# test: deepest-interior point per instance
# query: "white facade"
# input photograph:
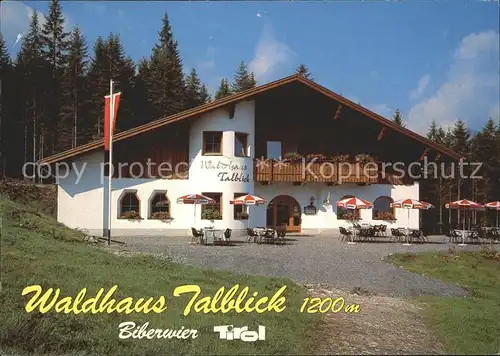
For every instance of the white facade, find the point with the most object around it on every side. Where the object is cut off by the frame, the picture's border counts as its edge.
(84, 204)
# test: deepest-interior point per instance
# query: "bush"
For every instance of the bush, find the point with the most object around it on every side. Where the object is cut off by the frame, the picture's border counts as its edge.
(130, 215)
(211, 214)
(242, 216)
(161, 215)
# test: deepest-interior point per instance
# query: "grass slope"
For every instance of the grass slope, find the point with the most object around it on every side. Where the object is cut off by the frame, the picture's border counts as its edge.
(38, 250)
(468, 325)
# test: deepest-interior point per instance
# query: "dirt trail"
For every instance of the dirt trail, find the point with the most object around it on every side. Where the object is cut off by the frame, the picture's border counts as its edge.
(384, 325)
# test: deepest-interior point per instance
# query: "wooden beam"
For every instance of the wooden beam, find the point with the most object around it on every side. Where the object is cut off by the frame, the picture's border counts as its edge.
(231, 108)
(337, 113)
(424, 153)
(383, 131)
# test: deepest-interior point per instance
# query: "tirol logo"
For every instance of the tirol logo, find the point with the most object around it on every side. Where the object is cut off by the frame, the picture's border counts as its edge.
(229, 332)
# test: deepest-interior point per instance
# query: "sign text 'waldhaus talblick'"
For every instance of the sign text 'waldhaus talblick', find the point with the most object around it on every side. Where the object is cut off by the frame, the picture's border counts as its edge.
(228, 171)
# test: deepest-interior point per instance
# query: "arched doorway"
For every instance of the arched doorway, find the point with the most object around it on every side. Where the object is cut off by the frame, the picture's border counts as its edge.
(284, 210)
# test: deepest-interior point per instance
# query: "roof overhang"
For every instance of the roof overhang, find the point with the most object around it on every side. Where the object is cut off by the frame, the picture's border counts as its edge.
(247, 95)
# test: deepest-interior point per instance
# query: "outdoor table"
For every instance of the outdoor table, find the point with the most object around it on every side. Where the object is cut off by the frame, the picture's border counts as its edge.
(464, 234)
(212, 235)
(261, 231)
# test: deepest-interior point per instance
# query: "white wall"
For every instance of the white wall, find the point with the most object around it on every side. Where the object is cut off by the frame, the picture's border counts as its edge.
(81, 205)
(204, 170)
(326, 217)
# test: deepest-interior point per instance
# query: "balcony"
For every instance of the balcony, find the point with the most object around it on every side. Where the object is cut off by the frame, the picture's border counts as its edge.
(330, 172)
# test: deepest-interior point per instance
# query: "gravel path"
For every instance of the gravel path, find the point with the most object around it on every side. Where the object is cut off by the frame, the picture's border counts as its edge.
(309, 260)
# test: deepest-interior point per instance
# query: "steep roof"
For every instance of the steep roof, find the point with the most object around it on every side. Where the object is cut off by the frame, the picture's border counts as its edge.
(245, 95)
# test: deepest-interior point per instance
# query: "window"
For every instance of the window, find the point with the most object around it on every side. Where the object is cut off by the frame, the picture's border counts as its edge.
(343, 213)
(159, 205)
(212, 143)
(217, 206)
(273, 149)
(130, 202)
(240, 144)
(238, 208)
(382, 209)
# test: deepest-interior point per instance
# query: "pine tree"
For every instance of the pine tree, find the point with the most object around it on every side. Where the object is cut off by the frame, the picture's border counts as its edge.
(5, 76)
(142, 112)
(32, 75)
(303, 71)
(122, 71)
(98, 81)
(205, 95)
(224, 89)
(75, 91)
(55, 45)
(109, 63)
(398, 119)
(196, 92)
(460, 138)
(242, 79)
(484, 149)
(166, 84)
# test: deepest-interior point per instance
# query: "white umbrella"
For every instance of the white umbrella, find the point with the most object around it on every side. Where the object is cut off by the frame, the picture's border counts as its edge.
(410, 204)
(466, 205)
(195, 199)
(247, 200)
(495, 205)
(353, 204)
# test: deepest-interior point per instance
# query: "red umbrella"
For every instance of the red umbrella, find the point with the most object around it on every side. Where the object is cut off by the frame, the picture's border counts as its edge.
(354, 203)
(195, 199)
(246, 200)
(411, 204)
(466, 205)
(495, 205)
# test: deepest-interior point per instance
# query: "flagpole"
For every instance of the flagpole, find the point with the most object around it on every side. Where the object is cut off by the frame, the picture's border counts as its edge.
(110, 163)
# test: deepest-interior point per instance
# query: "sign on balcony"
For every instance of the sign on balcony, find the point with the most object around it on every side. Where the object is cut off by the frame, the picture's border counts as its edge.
(227, 171)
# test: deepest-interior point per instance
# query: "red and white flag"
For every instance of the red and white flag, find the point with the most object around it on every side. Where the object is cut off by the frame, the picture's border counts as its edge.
(107, 118)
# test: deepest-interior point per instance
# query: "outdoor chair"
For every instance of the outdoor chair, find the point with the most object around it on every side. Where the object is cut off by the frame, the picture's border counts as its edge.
(344, 233)
(383, 230)
(197, 235)
(454, 236)
(395, 234)
(251, 235)
(227, 236)
(281, 233)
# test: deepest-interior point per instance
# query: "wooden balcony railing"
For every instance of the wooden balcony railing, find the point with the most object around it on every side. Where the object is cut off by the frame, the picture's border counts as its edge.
(319, 171)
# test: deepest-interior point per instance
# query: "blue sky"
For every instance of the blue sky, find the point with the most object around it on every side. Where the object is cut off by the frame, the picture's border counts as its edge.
(432, 60)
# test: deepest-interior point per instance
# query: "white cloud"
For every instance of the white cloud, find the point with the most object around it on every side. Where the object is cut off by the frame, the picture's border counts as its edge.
(16, 19)
(208, 61)
(471, 89)
(270, 54)
(381, 109)
(421, 86)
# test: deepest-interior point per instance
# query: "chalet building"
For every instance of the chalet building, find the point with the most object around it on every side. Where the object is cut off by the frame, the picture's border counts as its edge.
(231, 147)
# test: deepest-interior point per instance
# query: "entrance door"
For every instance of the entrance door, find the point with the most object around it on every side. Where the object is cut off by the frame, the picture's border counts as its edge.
(284, 210)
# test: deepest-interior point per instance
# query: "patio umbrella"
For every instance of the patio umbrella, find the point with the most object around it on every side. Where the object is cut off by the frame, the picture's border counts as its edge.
(410, 204)
(466, 205)
(495, 205)
(247, 200)
(353, 204)
(195, 199)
